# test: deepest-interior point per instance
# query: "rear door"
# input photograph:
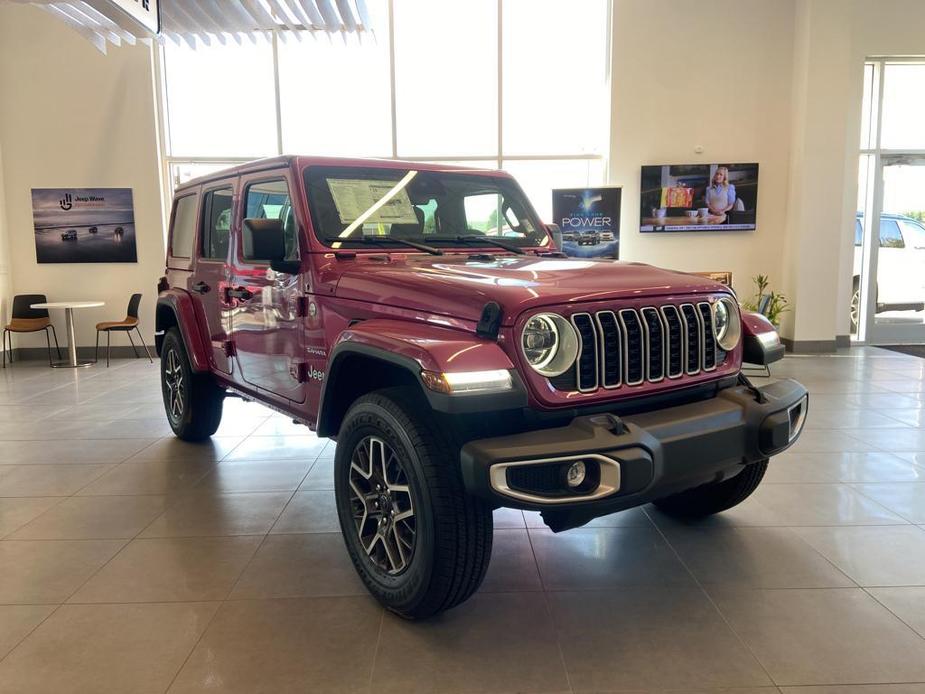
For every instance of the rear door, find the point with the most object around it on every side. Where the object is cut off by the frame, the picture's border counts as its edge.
(209, 280)
(267, 325)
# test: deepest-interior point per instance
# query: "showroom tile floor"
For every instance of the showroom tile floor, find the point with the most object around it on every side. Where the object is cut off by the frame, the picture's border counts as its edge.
(132, 562)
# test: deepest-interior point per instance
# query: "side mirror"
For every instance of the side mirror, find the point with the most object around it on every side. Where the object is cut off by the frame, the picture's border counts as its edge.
(556, 234)
(265, 241)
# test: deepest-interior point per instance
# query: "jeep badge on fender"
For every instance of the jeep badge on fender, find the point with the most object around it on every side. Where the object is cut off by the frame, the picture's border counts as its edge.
(460, 362)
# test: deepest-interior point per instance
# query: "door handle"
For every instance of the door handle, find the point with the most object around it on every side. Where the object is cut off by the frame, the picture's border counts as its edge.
(239, 293)
(200, 287)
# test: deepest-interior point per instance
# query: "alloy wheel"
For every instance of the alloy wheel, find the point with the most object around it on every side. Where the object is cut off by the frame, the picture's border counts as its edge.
(382, 506)
(855, 308)
(173, 379)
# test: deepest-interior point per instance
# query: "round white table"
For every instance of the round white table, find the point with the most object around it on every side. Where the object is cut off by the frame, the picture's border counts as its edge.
(69, 307)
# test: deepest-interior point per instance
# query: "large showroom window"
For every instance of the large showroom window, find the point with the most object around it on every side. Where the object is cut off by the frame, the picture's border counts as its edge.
(486, 83)
(888, 294)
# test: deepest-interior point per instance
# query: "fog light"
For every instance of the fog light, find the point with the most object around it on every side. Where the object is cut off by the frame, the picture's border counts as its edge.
(575, 474)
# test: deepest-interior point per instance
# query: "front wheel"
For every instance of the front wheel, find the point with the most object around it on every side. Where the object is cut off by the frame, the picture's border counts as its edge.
(716, 497)
(419, 542)
(193, 402)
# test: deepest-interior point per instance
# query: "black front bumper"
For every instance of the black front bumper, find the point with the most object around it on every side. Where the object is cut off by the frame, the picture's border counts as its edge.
(645, 456)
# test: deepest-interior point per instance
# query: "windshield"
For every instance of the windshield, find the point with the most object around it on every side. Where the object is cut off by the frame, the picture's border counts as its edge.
(352, 206)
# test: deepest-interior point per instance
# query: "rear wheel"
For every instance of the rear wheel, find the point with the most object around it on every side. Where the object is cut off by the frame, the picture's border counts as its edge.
(716, 497)
(193, 402)
(419, 542)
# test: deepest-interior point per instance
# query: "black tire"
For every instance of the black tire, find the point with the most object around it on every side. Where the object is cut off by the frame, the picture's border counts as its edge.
(196, 412)
(447, 540)
(714, 498)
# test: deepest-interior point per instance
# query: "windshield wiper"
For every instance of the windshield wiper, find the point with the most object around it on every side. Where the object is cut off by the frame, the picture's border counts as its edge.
(487, 240)
(383, 239)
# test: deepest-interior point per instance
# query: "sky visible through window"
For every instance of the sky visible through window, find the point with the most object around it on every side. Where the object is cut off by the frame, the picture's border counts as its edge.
(541, 111)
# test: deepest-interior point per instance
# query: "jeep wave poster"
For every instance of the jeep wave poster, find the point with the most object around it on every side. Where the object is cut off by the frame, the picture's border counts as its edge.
(590, 221)
(84, 225)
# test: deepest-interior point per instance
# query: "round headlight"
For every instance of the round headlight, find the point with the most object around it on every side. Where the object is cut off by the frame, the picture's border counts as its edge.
(549, 344)
(726, 324)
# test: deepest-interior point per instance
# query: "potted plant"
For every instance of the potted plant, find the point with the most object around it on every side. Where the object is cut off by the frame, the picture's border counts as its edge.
(770, 304)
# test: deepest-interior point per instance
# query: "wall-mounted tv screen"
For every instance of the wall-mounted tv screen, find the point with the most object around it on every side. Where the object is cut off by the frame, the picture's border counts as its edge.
(699, 197)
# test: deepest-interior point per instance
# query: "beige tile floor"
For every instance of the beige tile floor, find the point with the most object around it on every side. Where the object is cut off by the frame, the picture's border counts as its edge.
(132, 562)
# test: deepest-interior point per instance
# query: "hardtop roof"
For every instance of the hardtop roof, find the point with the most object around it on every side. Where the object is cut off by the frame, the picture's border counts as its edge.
(299, 161)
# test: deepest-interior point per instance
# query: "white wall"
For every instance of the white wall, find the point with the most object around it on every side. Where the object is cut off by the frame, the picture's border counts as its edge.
(839, 36)
(774, 82)
(6, 288)
(712, 73)
(71, 116)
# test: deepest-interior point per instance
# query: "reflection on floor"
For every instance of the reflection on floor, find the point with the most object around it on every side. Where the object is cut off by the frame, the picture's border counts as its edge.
(130, 562)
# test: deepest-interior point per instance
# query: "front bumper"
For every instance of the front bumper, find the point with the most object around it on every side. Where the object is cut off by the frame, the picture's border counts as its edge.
(638, 458)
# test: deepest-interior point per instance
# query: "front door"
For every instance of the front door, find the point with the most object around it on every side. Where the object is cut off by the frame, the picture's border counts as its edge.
(208, 282)
(267, 321)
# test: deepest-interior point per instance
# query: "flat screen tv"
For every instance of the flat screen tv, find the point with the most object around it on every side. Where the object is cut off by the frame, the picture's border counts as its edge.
(699, 197)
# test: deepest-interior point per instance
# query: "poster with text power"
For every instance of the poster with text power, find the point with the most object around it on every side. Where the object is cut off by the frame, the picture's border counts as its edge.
(698, 197)
(84, 225)
(590, 221)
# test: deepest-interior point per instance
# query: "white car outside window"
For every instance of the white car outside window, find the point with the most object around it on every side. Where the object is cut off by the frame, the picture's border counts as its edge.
(901, 265)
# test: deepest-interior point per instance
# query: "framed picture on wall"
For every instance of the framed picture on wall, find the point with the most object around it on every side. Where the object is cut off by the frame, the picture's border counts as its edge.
(84, 225)
(722, 276)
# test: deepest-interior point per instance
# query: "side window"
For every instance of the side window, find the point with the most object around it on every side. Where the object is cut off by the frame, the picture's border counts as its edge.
(491, 215)
(913, 234)
(270, 200)
(184, 227)
(429, 210)
(858, 232)
(483, 213)
(889, 234)
(216, 223)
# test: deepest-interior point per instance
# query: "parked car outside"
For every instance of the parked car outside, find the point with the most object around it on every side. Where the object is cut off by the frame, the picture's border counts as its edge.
(900, 265)
(458, 372)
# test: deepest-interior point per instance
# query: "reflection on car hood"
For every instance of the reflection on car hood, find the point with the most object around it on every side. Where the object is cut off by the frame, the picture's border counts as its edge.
(460, 285)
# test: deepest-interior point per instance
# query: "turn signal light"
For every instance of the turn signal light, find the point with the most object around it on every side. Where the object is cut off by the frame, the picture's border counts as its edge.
(463, 382)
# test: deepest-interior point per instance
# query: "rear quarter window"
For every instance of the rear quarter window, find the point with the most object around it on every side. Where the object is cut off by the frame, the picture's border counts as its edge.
(184, 227)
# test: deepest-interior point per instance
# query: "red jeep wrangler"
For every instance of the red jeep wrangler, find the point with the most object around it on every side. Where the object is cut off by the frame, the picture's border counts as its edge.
(420, 315)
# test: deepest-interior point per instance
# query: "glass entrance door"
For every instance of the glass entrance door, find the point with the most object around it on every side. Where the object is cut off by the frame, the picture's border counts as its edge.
(888, 289)
(899, 316)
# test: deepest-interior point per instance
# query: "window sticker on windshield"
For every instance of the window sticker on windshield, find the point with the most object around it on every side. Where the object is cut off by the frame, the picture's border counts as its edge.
(353, 197)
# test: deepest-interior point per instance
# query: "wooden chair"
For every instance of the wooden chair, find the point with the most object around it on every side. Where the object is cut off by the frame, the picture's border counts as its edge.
(126, 325)
(26, 319)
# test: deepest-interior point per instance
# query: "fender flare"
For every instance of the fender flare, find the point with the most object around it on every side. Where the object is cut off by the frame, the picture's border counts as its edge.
(180, 304)
(402, 345)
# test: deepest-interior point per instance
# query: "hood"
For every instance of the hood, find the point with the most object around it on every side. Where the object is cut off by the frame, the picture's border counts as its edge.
(459, 285)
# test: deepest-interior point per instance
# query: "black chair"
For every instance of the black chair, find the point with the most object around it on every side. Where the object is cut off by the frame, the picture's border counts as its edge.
(26, 319)
(126, 325)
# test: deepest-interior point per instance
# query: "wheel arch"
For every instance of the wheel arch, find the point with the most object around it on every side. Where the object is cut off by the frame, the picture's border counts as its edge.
(383, 353)
(354, 371)
(175, 309)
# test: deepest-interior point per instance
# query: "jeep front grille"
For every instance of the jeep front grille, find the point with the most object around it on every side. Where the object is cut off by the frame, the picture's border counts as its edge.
(633, 346)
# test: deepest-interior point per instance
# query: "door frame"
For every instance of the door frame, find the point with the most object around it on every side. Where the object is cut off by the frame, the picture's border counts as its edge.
(239, 266)
(219, 356)
(869, 331)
